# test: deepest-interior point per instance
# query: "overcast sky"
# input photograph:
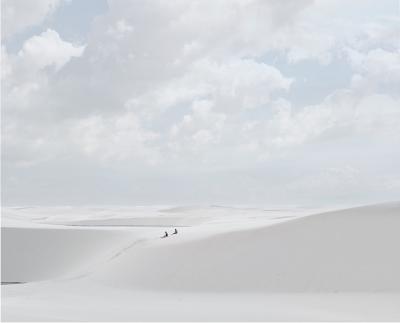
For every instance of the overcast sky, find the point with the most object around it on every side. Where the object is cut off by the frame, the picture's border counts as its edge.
(200, 102)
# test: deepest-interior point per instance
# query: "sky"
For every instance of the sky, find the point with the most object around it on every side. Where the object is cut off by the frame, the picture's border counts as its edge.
(232, 102)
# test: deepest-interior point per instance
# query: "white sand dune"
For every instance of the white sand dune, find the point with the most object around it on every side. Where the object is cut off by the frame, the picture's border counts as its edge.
(255, 265)
(80, 301)
(33, 254)
(141, 221)
(352, 250)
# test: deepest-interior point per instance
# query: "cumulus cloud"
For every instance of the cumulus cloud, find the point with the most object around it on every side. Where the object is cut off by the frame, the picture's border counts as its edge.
(48, 49)
(344, 114)
(375, 67)
(202, 127)
(6, 68)
(206, 85)
(120, 29)
(233, 85)
(19, 14)
(114, 138)
(29, 137)
(26, 74)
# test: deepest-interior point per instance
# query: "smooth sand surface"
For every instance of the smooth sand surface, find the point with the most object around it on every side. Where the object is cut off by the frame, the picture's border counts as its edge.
(226, 264)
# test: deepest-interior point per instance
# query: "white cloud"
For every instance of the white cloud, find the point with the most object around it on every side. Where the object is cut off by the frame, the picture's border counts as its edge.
(304, 42)
(202, 127)
(48, 49)
(120, 28)
(116, 138)
(208, 85)
(372, 117)
(376, 66)
(6, 68)
(383, 33)
(232, 86)
(19, 14)
(26, 74)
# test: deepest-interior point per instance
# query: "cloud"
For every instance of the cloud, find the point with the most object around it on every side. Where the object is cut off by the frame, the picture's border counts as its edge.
(48, 49)
(6, 68)
(29, 136)
(20, 14)
(232, 86)
(202, 127)
(377, 66)
(343, 114)
(120, 28)
(114, 138)
(210, 86)
(26, 74)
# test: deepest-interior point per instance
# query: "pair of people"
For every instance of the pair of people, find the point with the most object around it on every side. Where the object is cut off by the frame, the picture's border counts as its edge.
(166, 233)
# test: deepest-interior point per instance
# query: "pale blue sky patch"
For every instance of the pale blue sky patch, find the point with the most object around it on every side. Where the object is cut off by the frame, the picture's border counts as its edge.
(72, 20)
(313, 81)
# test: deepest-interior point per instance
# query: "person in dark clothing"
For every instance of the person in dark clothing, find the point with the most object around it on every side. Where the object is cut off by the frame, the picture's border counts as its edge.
(175, 231)
(165, 235)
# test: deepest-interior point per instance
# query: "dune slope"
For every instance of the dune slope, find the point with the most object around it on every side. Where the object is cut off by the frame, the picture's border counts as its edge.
(33, 254)
(353, 250)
